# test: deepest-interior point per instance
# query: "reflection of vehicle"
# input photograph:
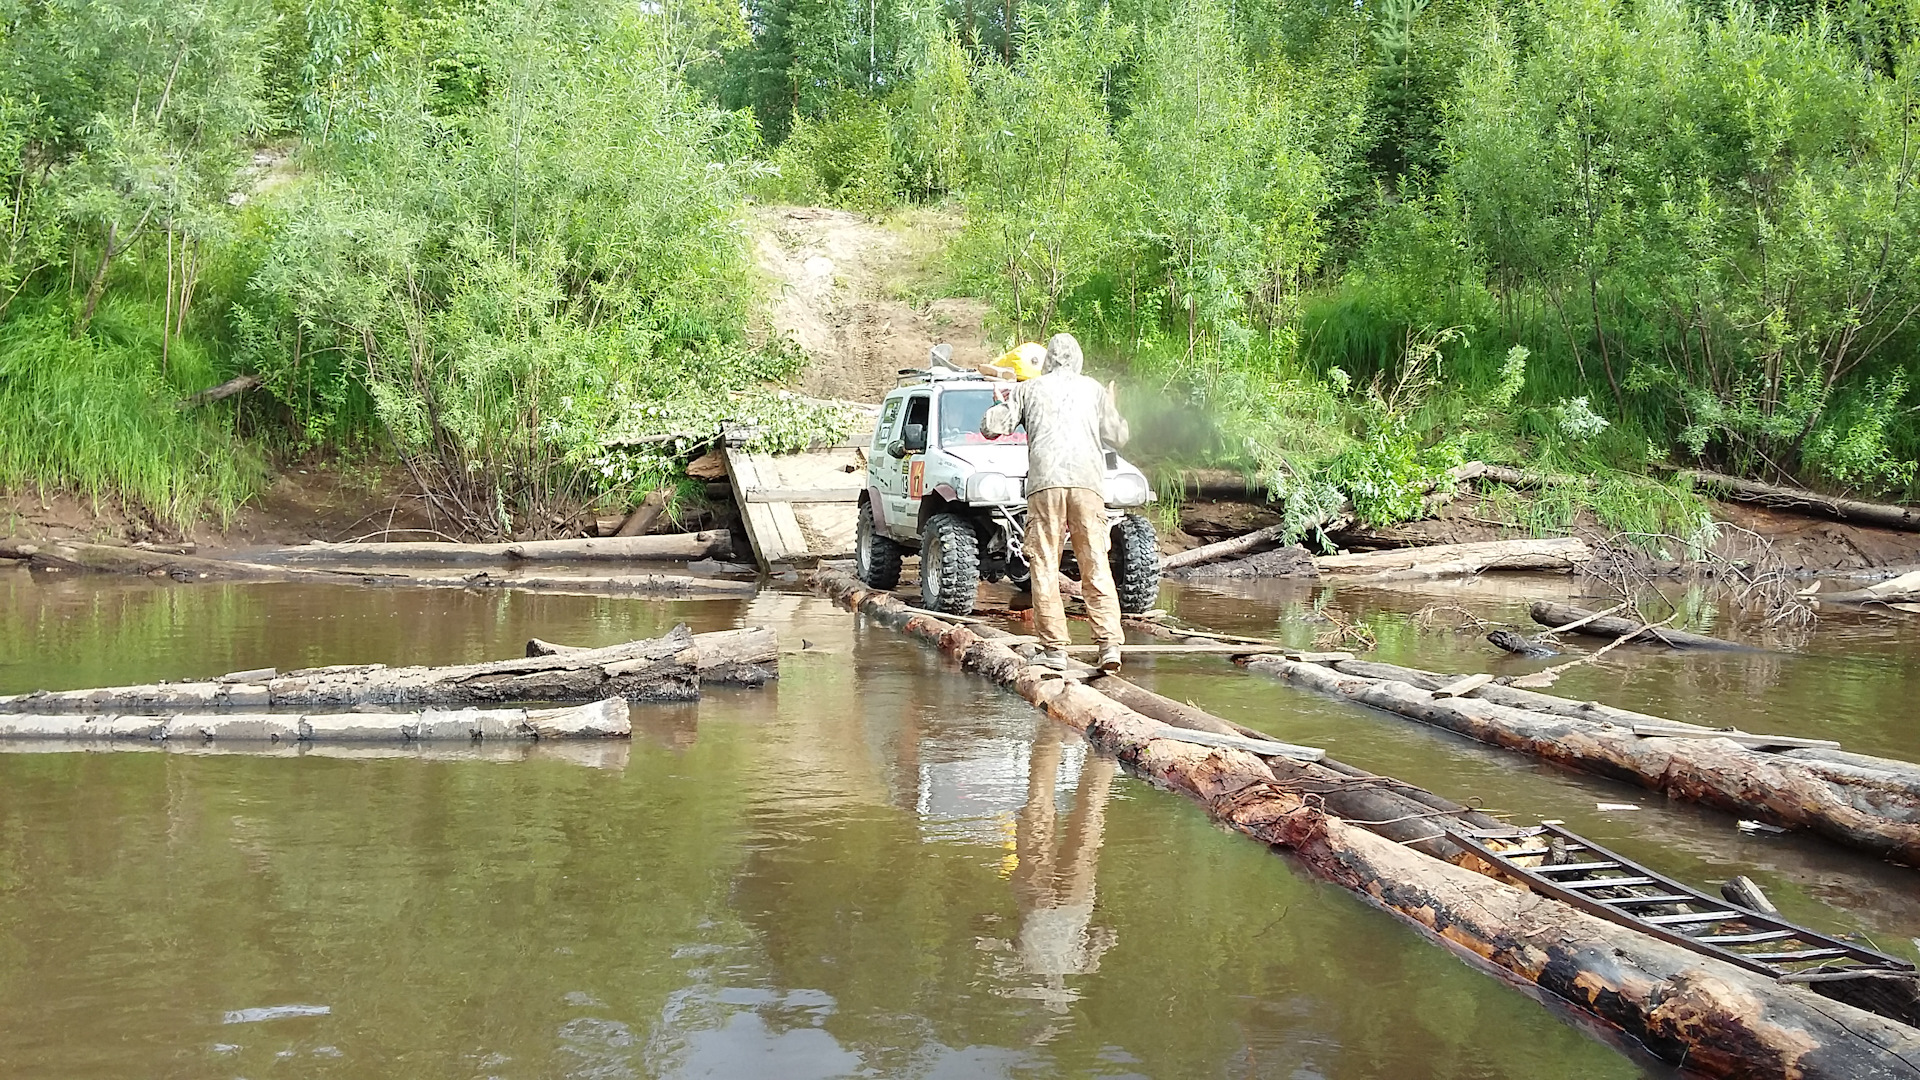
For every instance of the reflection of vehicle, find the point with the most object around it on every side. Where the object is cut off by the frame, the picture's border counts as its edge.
(937, 486)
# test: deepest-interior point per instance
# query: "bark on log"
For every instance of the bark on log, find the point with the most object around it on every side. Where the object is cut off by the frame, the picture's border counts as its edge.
(1554, 616)
(601, 549)
(1242, 545)
(1291, 561)
(1716, 772)
(668, 668)
(641, 521)
(236, 385)
(606, 718)
(144, 562)
(1457, 560)
(1719, 1020)
(1406, 814)
(1799, 499)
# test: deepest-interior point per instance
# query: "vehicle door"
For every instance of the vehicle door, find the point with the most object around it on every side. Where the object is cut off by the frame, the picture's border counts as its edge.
(902, 492)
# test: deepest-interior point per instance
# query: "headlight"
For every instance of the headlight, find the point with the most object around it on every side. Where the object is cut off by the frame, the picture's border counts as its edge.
(992, 487)
(1127, 489)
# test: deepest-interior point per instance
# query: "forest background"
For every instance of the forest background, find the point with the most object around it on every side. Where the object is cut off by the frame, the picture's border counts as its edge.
(1341, 246)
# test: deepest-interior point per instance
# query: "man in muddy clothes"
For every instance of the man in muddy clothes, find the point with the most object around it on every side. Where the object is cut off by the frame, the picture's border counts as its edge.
(1070, 421)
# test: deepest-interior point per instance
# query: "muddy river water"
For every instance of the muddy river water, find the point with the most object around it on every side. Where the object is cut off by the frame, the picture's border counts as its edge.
(881, 867)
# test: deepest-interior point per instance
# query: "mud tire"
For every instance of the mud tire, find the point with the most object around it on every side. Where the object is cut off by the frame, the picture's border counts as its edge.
(876, 558)
(1135, 558)
(949, 564)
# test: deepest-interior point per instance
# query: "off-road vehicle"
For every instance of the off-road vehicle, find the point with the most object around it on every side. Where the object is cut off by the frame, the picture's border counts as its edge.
(938, 488)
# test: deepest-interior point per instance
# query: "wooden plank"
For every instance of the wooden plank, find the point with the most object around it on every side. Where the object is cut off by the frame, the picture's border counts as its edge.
(1744, 738)
(775, 534)
(805, 495)
(1463, 686)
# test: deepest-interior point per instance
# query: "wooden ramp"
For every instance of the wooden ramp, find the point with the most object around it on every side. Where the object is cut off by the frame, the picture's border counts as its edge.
(798, 508)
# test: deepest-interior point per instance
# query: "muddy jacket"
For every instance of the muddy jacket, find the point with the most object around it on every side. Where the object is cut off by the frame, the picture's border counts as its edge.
(1070, 422)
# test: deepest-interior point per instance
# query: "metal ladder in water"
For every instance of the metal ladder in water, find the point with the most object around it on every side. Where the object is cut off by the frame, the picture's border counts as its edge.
(1558, 863)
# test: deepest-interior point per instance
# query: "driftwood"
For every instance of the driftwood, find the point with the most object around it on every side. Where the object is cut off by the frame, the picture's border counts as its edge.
(1900, 590)
(603, 549)
(678, 586)
(1291, 561)
(143, 562)
(668, 668)
(1684, 1007)
(1581, 621)
(1872, 810)
(641, 521)
(236, 385)
(1800, 499)
(601, 719)
(610, 753)
(1457, 560)
(1251, 542)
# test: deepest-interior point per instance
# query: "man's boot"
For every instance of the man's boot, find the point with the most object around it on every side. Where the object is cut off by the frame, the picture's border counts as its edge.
(1109, 659)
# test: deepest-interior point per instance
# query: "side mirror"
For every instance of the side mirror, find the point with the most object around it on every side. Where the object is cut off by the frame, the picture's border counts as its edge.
(913, 438)
(897, 448)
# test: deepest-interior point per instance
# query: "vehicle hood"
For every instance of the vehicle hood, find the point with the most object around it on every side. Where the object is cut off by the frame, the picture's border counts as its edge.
(1007, 460)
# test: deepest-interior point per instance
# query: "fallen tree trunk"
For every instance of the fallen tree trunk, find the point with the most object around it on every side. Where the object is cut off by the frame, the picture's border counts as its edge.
(1555, 616)
(1904, 589)
(1253, 541)
(1705, 769)
(602, 549)
(1800, 499)
(144, 562)
(1560, 553)
(1719, 1020)
(239, 384)
(669, 668)
(601, 719)
(684, 586)
(607, 753)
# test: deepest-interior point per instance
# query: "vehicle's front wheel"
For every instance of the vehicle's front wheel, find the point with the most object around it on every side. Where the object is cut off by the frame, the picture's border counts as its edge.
(1135, 559)
(949, 564)
(876, 558)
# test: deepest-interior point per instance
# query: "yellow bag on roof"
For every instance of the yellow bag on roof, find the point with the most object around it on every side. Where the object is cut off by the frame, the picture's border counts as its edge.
(1022, 363)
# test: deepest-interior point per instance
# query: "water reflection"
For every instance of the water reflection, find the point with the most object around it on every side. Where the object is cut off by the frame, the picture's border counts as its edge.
(1053, 879)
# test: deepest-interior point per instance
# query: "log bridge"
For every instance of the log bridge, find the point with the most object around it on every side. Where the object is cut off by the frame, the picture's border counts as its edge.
(1863, 802)
(1683, 1007)
(672, 667)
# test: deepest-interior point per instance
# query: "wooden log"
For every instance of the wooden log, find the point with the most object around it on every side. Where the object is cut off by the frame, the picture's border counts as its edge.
(1899, 590)
(600, 719)
(642, 519)
(667, 668)
(1801, 500)
(237, 385)
(1719, 1020)
(1581, 621)
(1251, 542)
(144, 562)
(1704, 769)
(1741, 890)
(678, 586)
(588, 549)
(1457, 560)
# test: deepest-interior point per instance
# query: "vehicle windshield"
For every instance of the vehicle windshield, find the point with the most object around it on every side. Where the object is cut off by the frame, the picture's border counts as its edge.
(960, 415)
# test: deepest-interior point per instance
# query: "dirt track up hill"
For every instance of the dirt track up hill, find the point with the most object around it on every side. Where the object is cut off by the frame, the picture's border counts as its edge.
(837, 288)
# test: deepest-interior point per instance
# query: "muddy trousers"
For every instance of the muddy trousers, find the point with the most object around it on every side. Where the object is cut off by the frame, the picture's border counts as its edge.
(1052, 515)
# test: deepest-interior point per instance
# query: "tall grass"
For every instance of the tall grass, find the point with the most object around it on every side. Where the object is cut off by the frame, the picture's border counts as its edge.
(95, 414)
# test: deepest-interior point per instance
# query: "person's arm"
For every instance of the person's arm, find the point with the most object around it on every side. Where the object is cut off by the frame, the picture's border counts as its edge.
(1113, 426)
(1003, 416)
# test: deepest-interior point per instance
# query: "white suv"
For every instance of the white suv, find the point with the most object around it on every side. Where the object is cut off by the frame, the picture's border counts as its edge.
(938, 487)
